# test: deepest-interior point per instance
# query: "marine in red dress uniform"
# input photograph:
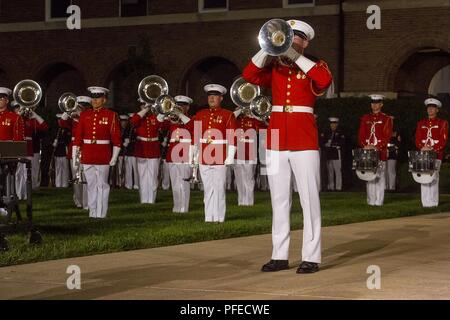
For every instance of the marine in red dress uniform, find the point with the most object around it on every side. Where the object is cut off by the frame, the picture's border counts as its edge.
(432, 134)
(375, 131)
(214, 135)
(292, 142)
(98, 134)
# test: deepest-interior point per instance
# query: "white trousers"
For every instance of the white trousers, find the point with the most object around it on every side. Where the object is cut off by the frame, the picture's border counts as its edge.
(430, 191)
(375, 188)
(214, 184)
(80, 194)
(35, 170)
(148, 178)
(244, 175)
(180, 189)
(97, 188)
(305, 165)
(390, 174)
(21, 179)
(61, 172)
(165, 179)
(334, 174)
(131, 173)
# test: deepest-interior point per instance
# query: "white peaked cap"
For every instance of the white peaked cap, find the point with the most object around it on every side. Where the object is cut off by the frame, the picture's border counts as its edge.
(5, 90)
(303, 27)
(434, 101)
(183, 99)
(215, 87)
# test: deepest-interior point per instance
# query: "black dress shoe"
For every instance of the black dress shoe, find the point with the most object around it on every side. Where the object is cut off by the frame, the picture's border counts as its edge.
(275, 265)
(308, 267)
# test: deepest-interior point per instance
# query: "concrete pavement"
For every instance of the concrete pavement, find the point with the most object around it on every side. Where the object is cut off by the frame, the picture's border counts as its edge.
(413, 255)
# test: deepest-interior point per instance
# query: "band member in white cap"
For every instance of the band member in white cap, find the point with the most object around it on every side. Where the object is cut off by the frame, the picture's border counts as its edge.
(432, 134)
(214, 135)
(34, 124)
(178, 155)
(71, 121)
(60, 162)
(292, 143)
(98, 134)
(375, 131)
(11, 124)
(334, 142)
(147, 151)
(246, 156)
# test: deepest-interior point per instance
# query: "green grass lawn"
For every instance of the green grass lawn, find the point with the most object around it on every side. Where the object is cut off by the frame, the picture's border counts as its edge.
(68, 232)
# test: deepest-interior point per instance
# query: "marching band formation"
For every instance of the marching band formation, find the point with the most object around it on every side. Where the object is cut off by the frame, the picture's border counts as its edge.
(273, 144)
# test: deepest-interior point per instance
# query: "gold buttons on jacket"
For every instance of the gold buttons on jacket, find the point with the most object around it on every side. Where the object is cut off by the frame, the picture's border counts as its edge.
(289, 86)
(288, 101)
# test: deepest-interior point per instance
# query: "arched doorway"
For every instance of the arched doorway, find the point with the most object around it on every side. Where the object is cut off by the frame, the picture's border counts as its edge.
(440, 84)
(55, 79)
(415, 75)
(210, 70)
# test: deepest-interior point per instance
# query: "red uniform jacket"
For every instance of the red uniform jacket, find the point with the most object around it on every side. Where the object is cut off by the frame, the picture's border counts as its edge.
(291, 87)
(147, 130)
(11, 126)
(376, 129)
(31, 128)
(210, 128)
(432, 133)
(179, 142)
(97, 125)
(246, 138)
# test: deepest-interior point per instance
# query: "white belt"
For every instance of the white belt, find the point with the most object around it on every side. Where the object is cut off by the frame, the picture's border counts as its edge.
(211, 141)
(146, 139)
(247, 140)
(180, 140)
(290, 109)
(28, 138)
(88, 141)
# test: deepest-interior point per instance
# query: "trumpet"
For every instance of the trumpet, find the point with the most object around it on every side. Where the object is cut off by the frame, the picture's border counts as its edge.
(27, 93)
(68, 103)
(167, 106)
(261, 107)
(275, 37)
(242, 94)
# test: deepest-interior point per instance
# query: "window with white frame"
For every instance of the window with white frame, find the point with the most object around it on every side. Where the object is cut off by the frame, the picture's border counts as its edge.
(57, 9)
(298, 3)
(212, 5)
(133, 8)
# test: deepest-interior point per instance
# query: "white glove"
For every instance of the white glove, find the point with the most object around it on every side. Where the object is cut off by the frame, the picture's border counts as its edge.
(143, 112)
(65, 116)
(55, 143)
(192, 155)
(304, 63)
(115, 155)
(237, 112)
(34, 115)
(160, 117)
(260, 59)
(231, 151)
(185, 119)
(75, 150)
(126, 142)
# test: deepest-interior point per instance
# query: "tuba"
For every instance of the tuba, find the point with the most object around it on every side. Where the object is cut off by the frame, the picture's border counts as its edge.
(242, 94)
(27, 93)
(68, 103)
(261, 107)
(150, 88)
(275, 37)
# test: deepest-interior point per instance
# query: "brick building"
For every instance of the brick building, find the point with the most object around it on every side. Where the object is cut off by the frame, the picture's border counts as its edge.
(192, 42)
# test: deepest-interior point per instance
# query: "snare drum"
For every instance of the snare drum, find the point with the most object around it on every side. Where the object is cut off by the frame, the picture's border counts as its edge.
(422, 161)
(366, 162)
